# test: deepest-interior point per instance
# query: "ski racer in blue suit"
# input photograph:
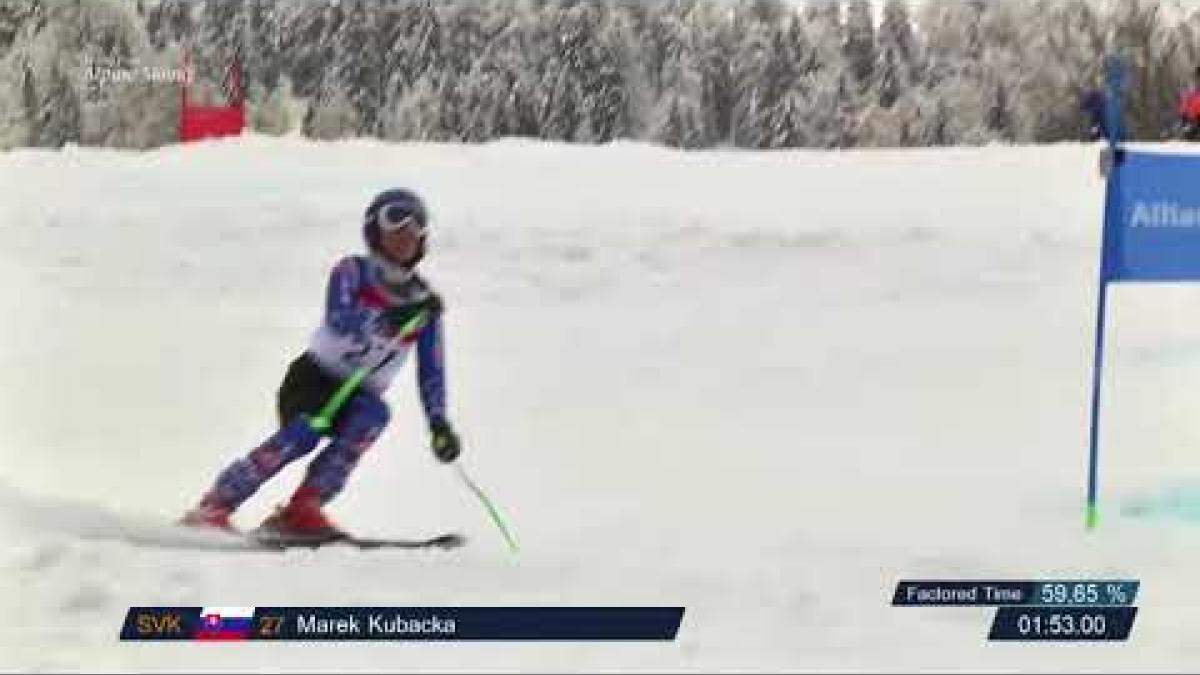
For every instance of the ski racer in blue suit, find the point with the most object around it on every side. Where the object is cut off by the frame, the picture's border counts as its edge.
(369, 298)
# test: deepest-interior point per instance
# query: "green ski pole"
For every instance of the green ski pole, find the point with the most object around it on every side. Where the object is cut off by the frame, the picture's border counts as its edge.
(487, 504)
(324, 419)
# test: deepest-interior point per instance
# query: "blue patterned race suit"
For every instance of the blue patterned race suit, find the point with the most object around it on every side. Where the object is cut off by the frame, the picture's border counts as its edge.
(356, 331)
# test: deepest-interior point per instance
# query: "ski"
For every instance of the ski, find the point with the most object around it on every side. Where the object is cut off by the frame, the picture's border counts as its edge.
(274, 541)
(444, 541)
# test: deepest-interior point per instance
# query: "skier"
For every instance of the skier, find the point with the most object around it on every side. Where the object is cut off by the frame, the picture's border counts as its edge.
(370, 298)
(1092, 105)
(1189, 111)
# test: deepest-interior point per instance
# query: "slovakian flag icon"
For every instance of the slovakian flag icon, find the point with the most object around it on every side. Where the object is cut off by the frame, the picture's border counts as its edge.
(224, 623)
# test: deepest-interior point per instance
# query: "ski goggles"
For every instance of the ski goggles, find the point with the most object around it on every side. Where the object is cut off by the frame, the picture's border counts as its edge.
(395, 217)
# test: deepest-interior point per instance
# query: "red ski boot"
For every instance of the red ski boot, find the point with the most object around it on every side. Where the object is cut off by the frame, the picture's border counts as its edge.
(301, 521)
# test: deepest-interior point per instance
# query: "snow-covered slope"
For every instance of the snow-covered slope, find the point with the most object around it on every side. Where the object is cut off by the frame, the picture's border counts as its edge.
(764, 386)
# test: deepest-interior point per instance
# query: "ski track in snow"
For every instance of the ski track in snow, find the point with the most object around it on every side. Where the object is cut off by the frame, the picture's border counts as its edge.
(764, 386)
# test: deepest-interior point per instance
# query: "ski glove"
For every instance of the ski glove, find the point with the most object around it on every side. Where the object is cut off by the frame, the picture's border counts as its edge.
(444, 441)
(400, 316)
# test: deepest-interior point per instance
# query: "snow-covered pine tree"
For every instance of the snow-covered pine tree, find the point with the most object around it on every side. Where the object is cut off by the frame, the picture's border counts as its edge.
(956, 102)
(413, 62)
(787, 103)
(15, 16)
(218, 40)
(832, 98)
(56, 117)
(1139, 32)
(756, 23)
(897, 55)
(358, 66)
(889, 112)
(414, 113)
(859, 47)
(332, 113)
(261, 41)
(1060, 48)
(306, 40)
(169, 21)
(680, 118)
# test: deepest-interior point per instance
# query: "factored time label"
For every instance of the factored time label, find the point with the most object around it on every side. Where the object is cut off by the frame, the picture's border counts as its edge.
(1035, 610)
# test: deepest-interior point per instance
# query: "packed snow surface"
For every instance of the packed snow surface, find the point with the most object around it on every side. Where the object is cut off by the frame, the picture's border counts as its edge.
(763, 386)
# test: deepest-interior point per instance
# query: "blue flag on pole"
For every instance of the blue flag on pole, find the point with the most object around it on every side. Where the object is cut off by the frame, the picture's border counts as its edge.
(1154, 229)
(1151, 233)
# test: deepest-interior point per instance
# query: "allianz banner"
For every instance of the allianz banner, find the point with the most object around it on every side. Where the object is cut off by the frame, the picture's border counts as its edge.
(1155, 234)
